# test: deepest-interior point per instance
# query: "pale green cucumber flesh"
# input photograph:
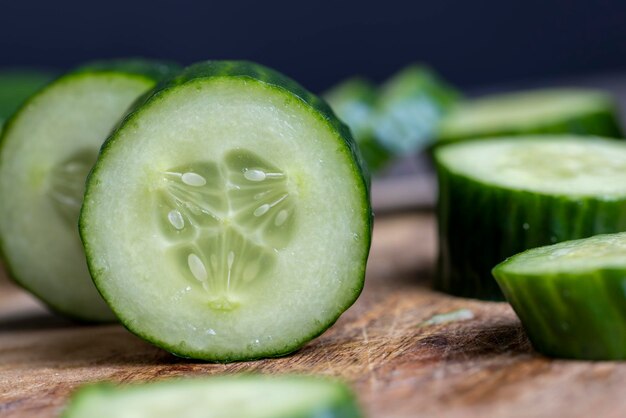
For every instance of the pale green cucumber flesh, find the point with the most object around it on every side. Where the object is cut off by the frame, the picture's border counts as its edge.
(251, 396)
(551, 111)
(502, 196)
(557, 165)
(570, 296)
(47, 150)
(227, 219)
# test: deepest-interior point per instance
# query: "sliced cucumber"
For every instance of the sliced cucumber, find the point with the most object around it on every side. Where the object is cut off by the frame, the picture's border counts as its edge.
(228, 218)
(18, 85)
(502, 196)
(354, 101)
(249, 396)
(570, 296)
(552, 111)
(410, 107)
(46, 151)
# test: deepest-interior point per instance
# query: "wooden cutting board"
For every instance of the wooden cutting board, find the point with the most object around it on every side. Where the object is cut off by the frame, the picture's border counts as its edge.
(406, 350)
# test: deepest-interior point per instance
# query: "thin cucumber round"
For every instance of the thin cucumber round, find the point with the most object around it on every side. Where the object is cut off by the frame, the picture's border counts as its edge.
(410, 107)
(354, 102)
(18, 85)
(501, 196)
(249, 396)
(228, 217)
(570, 296)
(46, 152)
(550, 111)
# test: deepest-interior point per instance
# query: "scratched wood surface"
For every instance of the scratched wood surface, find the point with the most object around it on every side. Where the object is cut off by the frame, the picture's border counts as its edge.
(398, 346)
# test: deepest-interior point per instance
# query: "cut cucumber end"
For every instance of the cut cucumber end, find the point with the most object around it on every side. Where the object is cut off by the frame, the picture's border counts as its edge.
(46, 152)
(250, 396)
(559, 165)
(606, 251)
(502, 196)
(228, 218)
(551, 111)
(570, 296)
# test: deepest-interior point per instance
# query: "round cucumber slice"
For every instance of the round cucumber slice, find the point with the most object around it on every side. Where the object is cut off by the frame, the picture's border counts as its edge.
(501, 196)
(550, 111)
(250, 396)
(570, 296)
(354, 101)
(46, 152)
(228, 217)
(18, 85)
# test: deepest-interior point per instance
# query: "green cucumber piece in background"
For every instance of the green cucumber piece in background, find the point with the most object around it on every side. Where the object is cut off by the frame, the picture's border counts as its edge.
(46, 151)
(228, 217)
(354, 102)
(235, 396)
(16, 86)
(570, 296)
(410, 107)
(501, 196)
(545, 111)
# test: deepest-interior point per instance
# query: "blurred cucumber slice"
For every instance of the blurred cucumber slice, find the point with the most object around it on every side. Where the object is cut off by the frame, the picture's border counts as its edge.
(249, 396)
(550, 111)
(46, 151)
(354, 102)
(397, 119)
(410, 106)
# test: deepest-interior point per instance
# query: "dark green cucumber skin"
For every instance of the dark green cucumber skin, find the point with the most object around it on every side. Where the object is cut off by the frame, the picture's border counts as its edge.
(570, 315)
(481, 224)
(345, 406)
(251, 72)
(603, 122)
(16, 86)
(150, 70)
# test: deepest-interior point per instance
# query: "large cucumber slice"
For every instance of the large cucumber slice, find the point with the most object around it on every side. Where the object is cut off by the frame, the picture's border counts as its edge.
(228, 218)
(502, 196)
(251, 396)
(354, 101)
(18, 85)
(570, 296)
(410, 108)
(551, 111)
(46, 151)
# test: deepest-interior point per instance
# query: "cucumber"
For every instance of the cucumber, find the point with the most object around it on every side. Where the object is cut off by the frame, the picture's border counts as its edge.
(410, 107)
(354, 101)
(228, 217)
(570, 296)
(249, 396)
(546, 111)
(46, 150)
(501, 196)
(18, 85)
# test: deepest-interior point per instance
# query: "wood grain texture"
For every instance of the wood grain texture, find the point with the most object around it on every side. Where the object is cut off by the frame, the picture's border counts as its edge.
(400, 360)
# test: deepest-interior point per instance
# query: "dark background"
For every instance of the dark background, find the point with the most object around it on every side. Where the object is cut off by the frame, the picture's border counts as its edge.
(472, 43)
